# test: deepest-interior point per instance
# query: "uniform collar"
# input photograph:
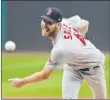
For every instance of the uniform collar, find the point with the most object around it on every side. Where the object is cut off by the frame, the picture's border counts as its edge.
(54, 41)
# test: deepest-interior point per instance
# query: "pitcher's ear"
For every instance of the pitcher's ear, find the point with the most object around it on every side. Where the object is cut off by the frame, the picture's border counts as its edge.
(59, 24)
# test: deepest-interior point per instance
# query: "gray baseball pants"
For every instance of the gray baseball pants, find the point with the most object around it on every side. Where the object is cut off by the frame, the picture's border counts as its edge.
(72, 80)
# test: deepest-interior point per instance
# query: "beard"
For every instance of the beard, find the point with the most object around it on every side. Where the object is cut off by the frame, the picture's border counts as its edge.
(48, 32)
(45, 31)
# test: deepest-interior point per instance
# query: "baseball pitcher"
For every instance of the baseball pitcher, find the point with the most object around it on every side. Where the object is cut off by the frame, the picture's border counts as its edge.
(77, 56)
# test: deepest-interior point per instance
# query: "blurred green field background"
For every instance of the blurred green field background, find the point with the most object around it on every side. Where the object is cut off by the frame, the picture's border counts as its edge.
(23, 64)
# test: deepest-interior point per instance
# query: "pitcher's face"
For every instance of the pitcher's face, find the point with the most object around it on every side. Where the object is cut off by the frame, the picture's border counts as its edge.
(47, 27)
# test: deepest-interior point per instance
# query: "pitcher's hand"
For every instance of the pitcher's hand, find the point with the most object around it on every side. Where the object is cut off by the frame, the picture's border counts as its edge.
(16, 82)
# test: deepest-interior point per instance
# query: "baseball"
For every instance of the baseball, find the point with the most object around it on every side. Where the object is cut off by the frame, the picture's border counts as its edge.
(10, 46)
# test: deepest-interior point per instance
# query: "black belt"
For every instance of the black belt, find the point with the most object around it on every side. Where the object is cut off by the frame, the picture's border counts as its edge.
(87, 69)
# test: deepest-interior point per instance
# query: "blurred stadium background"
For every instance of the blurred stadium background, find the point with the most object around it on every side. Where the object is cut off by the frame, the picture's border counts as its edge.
(20, 24)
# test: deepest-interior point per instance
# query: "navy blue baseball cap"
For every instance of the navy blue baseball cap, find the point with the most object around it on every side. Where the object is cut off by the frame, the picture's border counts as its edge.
(52, 14)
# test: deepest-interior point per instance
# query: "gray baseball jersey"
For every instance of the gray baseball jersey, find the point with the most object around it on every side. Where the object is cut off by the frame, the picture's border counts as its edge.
(72, 49)
(74, 53)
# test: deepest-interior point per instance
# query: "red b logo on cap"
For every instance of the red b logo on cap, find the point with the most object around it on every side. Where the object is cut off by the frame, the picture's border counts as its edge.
(49, 11)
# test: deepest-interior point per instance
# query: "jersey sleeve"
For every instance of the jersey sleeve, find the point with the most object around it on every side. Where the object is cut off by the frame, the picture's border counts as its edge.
(75, 22)
(57, 59)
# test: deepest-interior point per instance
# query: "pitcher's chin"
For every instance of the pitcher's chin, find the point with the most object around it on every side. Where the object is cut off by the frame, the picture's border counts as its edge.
(44, 34)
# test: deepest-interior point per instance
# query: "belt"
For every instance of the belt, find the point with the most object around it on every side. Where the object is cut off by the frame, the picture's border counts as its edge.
(87, 69)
